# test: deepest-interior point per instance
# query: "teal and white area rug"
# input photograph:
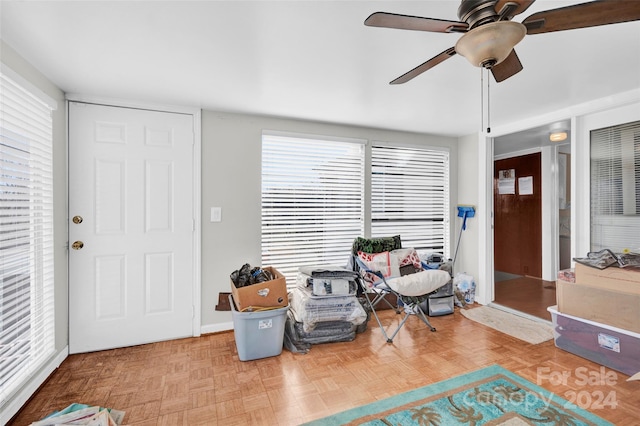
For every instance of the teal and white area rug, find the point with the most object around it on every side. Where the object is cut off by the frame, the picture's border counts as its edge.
(490, 396)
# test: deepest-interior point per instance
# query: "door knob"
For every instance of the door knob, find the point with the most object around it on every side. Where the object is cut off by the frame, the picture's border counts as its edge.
(77, 219)
(77, 245)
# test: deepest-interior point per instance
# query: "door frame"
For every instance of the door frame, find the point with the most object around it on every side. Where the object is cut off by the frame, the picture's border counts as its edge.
(196, 181)
(486, 291)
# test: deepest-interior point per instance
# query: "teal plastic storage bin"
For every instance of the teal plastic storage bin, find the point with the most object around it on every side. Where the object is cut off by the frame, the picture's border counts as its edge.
(258, 334)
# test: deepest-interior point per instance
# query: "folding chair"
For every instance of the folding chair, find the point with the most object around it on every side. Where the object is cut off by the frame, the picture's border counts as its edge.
(388, 269)
(373, 245)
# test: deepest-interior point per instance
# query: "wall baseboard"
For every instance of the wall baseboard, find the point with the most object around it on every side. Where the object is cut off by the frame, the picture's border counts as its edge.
(216, 328)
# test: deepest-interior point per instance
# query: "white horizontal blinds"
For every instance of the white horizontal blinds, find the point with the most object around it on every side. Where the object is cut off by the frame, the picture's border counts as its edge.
(410, 196)
(615, 187)
(26, 236)
(312, 201)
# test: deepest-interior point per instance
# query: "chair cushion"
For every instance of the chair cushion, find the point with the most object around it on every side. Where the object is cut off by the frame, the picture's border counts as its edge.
(420, 283)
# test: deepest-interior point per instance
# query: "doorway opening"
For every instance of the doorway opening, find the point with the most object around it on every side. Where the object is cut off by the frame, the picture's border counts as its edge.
(531, 207)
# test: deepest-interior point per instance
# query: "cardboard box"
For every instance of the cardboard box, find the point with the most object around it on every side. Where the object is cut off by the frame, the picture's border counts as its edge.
(610, 307)
(269, 294)
(600, 343)
(612, 278)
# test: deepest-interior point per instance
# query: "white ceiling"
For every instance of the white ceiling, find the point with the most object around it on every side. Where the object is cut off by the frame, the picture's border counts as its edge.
(310, 60)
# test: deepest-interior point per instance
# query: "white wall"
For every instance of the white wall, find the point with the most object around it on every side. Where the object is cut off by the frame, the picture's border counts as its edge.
(231, 169)
(12, 60)
(468, 172)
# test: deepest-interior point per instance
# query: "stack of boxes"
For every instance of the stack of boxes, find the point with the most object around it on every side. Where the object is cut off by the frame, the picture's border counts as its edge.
(598, 316)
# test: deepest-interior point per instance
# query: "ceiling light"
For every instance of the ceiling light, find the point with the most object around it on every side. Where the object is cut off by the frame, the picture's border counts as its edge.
(558, 131)
(490, 44)
(558, 136)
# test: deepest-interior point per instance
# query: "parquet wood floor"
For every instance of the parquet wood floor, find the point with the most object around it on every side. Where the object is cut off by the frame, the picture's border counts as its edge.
(200, 381)
(527, 294)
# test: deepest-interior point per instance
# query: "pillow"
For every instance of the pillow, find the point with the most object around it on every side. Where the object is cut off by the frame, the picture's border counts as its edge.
(383, 262)
(420, 283)
(391, 264)
(406, 257)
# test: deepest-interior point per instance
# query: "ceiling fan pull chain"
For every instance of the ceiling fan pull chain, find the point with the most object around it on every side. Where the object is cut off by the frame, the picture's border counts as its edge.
(488, 102)
(482, 102)
(481, 98)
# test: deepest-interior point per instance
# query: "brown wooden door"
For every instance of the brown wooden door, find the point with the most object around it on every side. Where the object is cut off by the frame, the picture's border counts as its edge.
(518, 217)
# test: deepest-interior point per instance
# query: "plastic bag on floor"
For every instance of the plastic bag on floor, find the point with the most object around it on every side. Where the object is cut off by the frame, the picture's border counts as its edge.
(465, 284)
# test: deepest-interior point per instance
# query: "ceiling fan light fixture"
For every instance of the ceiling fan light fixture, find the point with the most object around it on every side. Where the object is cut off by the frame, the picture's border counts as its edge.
(490, 44)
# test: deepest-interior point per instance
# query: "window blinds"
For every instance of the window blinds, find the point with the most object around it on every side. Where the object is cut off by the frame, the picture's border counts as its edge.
(312, 201)
(410, 196)
(26, 236)
(615, 187)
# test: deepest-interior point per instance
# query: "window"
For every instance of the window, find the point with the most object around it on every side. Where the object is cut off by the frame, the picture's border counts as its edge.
(26, 235)
(410, 196)
(615, 187)
(313, 191)
(312, 201)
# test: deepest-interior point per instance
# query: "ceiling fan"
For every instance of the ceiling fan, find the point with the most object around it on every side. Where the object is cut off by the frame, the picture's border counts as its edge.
(490, 35)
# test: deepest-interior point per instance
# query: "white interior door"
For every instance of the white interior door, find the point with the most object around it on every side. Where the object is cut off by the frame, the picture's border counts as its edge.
(131, 226)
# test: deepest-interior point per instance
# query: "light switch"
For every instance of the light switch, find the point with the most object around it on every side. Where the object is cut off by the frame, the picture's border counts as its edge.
(216, 214)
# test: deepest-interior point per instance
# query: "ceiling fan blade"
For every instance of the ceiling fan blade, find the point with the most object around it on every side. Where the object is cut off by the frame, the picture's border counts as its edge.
(425, 66)
(583, 15)
(507, 68)
(507, 9)
(406, 22)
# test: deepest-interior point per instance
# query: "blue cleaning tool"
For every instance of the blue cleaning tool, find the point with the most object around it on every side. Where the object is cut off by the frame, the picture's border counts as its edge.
(464, 212)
